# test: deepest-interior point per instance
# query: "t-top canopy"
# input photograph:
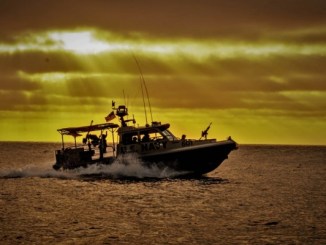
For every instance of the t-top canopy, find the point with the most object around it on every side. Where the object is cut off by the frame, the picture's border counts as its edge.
(149, 129)
(75, 131)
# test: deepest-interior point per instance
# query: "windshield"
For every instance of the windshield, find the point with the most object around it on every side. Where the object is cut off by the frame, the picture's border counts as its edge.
(146, 136)
(168, 135)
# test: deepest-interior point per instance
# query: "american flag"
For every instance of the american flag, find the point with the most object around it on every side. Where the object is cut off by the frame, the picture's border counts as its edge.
(110, 117)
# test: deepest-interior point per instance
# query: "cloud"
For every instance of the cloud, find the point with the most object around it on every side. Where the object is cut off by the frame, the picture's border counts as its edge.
(242, 59)
(247, 19)
(12, 82)
(191, 73)
(21, 101)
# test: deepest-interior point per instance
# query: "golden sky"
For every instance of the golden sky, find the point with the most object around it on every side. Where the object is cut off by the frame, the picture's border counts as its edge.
(256, 69)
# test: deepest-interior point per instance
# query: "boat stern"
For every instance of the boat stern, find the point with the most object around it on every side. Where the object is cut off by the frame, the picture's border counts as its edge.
(70, 158)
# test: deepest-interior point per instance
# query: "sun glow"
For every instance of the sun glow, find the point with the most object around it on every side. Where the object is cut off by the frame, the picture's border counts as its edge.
(57, 77)
(84, 42)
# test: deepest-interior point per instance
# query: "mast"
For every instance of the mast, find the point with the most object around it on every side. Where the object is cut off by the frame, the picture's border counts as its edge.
(146, 90)
(142, 91)
(149, 103)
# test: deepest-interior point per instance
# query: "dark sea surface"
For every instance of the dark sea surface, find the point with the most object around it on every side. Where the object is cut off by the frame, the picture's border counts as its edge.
(260, 195)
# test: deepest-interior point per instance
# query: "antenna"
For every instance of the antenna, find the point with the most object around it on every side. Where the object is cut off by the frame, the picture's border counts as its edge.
(124, 96)
(142, 91)
(149, 103)
(143, 81)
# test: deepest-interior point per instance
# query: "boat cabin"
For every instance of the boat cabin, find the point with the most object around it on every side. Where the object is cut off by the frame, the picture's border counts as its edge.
(145, 139)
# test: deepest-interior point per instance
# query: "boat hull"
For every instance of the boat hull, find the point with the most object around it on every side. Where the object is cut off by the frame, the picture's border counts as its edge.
(189, 160)
(193, 160)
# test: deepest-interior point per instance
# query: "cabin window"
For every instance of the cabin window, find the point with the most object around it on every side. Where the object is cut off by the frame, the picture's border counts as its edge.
(151, 136)
(167, 134)
(146, 136)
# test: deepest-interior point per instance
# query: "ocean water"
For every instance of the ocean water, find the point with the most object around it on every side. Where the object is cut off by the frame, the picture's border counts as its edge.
(261, 195)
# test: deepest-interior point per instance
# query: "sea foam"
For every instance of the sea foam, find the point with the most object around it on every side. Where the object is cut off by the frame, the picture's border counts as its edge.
(124, 166)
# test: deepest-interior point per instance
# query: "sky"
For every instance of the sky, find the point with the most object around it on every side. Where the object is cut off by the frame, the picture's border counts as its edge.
(256, 69)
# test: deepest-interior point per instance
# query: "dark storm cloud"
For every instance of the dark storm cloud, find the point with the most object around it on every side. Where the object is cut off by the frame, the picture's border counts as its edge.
(214, 95)
(38, 61)
(233, 82)
(162, 18)
(12, 82)
(315, 35)
(219, 83)
(290, 66)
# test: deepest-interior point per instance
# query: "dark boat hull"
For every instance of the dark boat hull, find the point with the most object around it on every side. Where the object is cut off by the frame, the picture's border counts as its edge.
(193, 160)
(190, 160)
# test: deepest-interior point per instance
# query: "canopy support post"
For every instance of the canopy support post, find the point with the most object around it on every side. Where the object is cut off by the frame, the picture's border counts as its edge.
(63, 143)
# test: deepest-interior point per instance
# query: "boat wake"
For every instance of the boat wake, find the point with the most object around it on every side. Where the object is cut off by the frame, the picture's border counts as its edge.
(34, 170)
(129, 166)
(126, 166)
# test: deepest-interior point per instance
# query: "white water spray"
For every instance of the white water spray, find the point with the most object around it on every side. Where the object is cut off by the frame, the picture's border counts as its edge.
(124, 166)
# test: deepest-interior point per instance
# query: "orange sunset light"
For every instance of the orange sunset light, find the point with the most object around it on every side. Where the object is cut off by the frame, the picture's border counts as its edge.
(255, 69)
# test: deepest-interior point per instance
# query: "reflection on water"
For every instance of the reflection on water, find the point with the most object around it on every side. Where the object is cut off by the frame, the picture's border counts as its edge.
(260, 195)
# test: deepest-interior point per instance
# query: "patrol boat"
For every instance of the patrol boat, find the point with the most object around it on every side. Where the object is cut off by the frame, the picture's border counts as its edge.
(153, 144)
